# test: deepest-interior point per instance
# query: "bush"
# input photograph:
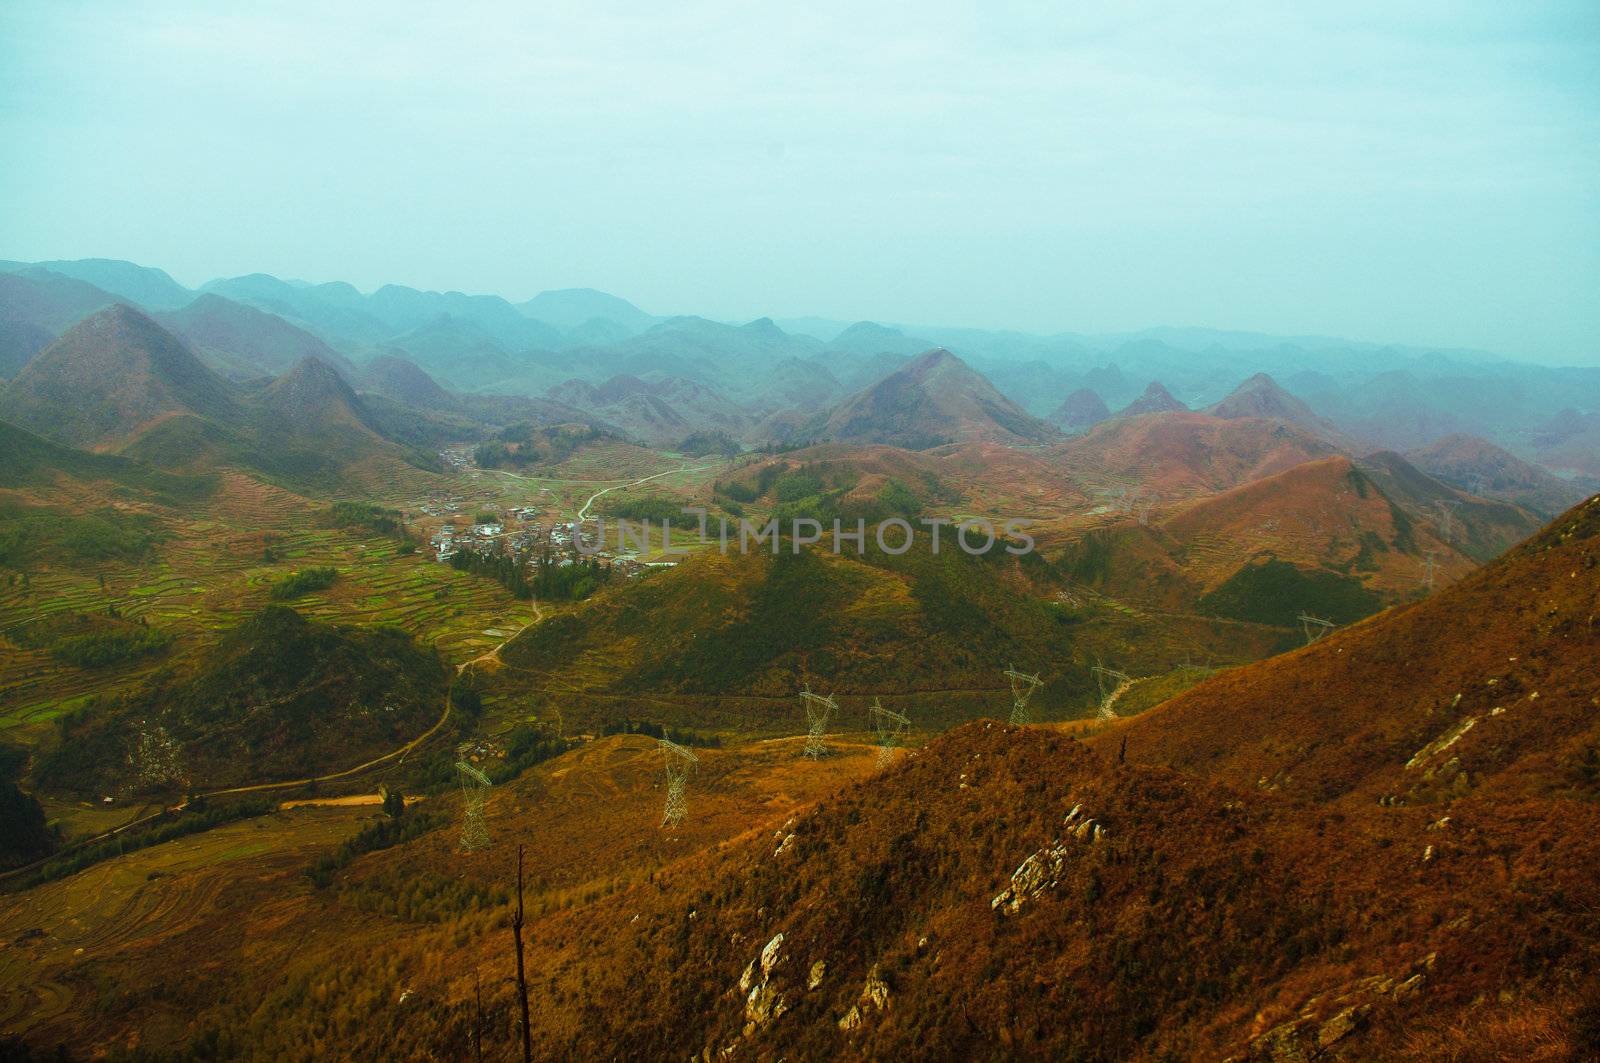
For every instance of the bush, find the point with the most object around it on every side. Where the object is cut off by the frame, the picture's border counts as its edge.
(1277, 592)
(379, 834)
(107, 648)
(304, 582)
(368, 516)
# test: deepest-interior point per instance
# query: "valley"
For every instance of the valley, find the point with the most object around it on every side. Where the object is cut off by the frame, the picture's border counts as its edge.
(302, 645)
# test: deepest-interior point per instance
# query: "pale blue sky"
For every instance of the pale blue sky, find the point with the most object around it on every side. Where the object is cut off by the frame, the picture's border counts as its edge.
(1416, 172)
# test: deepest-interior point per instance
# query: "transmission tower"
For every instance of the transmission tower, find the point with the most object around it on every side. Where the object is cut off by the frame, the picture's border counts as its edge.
(1112, 683)
(1022, 687)
(818, 709)
(474, 785)
(1427, 577)
(1315, 627)
(892, 729)
(679, 762)
(1447, 515)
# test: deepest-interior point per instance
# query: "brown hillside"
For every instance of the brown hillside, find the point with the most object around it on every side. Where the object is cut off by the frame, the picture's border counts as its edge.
(1261, 397)
(1490, 683)
(1156, 399)
(1003, 893)
(1176, 455)
(1322, 513)
(1479, 466)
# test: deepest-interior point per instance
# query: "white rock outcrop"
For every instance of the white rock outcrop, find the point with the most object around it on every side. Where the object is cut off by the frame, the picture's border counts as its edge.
(1042, 870)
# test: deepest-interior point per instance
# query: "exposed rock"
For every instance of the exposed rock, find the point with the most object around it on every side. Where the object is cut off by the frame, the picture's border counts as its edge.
(1410, 987)
(771, 955)
(1037, 873)
(1342, 1025)
(1443, 742)
(1042, 870)
(763, 1002)
(763, 1005)
(874, 994)
(876, 990)
(819, 971)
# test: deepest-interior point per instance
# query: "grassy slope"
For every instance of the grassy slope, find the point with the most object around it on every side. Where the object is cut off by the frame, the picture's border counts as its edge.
(1344, 715)
(280, 697)
(727, 641)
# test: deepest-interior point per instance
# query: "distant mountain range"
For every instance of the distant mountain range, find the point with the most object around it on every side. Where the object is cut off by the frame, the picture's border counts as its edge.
(765, 383)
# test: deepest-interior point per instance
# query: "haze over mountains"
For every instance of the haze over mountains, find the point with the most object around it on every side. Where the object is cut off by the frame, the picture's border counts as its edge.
(274, 542)
(762, 382)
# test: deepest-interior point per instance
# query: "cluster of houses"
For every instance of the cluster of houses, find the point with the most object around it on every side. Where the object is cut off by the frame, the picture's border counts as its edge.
(440, 507)
(528, 538)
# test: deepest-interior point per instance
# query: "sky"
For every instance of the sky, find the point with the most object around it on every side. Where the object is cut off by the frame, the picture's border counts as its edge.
(1419, 173)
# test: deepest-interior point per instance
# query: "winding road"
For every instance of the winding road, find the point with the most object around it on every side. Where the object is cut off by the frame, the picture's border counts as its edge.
(400, 752)
(583, 514)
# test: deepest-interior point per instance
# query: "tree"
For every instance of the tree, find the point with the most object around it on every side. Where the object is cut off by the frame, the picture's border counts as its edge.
(23, 833)
(522, 978)
(394, 803)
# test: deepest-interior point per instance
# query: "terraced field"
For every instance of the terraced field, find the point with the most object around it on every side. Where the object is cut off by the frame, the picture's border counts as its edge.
(58, 936)
(219, 566)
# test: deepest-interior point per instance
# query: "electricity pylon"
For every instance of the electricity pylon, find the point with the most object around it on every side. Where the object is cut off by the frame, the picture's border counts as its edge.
(818, 709)
(679, 763)
(1315, 627)
(1022, 687)
(1447, 512)
(1427, 576)
(892, 729)
(1111, 683)
(474, 785)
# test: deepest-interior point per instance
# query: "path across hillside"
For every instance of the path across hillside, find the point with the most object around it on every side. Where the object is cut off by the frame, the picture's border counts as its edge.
(583, 514)
(400, 752)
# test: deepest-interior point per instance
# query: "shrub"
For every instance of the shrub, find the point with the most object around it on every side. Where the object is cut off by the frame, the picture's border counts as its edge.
(304, 582)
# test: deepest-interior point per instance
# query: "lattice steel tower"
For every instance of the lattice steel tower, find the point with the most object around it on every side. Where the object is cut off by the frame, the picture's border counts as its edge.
(1023, 686)
(679, 762)
(1111, 683)
(818, 709)
(474, 786)
(892, 729)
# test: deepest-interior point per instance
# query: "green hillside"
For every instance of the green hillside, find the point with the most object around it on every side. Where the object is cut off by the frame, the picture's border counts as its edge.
(280, 698)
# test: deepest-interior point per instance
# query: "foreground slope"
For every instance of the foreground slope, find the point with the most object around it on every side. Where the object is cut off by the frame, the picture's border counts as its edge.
(1490, 683)
(1002, 893)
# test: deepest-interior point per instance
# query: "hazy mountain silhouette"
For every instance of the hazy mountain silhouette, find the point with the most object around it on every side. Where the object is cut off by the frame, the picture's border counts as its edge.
(109, 377)
(1156, 399)
(1082, 409)
(934, 399)
(243, 341)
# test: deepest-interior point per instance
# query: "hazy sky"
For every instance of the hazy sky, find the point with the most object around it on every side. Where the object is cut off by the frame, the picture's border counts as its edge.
(1416, 172)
